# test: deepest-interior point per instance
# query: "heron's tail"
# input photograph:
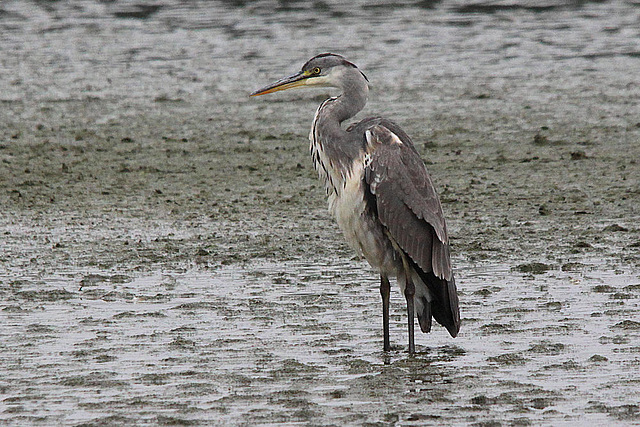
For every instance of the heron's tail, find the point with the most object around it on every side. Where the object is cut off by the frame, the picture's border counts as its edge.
(443, 305)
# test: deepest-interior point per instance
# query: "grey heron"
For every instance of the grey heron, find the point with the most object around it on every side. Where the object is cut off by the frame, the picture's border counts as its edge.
(381, 195)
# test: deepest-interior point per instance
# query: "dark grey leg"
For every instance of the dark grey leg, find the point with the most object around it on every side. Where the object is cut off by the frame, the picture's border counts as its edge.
(385, 290)
(409, 292)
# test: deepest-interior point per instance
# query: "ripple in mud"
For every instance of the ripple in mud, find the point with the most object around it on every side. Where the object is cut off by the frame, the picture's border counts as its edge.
(533, 268)
(620, 412)
(546, 347)
(629, 325)
(45, 295)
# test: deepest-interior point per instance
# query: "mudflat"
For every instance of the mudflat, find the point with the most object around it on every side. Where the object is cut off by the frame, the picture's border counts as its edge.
(166, 253)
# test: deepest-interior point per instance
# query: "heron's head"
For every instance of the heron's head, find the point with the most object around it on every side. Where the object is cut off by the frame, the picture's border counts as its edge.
(326, 69)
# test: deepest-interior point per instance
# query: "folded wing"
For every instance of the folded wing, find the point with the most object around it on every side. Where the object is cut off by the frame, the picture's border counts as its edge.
(408, 206)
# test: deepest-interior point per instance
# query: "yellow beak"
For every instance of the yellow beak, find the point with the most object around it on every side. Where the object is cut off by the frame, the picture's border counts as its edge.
(298, 79)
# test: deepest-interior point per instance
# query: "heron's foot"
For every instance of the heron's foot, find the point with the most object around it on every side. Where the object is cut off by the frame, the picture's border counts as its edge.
(412, 346)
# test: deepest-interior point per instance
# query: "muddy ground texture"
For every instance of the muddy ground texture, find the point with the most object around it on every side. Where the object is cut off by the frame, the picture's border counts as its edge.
(91, 207)
(170, 186)
(167, 257)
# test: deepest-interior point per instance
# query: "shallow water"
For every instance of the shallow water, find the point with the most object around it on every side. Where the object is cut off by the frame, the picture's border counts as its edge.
(166, 256)
(297, 343)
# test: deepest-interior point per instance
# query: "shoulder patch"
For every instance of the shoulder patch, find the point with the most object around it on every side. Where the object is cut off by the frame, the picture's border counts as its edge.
(382, 135)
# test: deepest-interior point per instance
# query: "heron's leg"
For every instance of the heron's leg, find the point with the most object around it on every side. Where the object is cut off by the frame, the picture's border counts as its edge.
(409, 292)
(385, 289)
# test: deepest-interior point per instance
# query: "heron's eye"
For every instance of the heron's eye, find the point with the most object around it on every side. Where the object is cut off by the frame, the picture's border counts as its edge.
(316, 70)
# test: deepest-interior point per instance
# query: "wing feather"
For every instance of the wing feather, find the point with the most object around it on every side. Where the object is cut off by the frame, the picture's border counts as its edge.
(407, 203)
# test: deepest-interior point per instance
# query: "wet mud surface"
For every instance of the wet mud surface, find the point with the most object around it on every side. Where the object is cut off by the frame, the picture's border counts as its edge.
(166, 256)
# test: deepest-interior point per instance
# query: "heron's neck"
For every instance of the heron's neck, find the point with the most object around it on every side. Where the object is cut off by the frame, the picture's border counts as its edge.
(333, 149)
(327, 128)
(351, 101)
